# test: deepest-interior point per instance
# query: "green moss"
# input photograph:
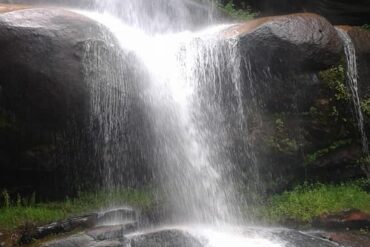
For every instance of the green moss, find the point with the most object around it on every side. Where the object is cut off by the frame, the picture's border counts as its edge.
(239, 14)
(335, 78)
(307, 201)
(366, 27)
(365, 106)
(22, 211)
(280, 142)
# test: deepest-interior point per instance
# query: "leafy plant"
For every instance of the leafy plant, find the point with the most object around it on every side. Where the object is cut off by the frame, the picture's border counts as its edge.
(366, 27)
(239, 14)
(280, 142)
(335, 79)
(311, 158)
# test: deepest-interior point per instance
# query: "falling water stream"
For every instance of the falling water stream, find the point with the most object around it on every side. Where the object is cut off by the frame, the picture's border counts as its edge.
(352, 85)
(194, 103)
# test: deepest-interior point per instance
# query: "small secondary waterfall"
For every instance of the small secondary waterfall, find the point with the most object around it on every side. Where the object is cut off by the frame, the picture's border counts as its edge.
(352, 84)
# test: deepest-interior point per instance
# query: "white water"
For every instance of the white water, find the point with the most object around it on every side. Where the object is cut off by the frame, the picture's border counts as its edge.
(192, 76)
(352, 84)
(193, 184)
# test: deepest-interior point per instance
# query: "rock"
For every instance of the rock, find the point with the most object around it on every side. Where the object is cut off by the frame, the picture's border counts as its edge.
(45, 82)
(305, 42)
(108, 244)
(119, 215)
(289, 237)
(12, 7)
(172, 237)
(60, 69)
(111, 232)
(350, 219)
(348, 238)
(80, 240)
(58, 227)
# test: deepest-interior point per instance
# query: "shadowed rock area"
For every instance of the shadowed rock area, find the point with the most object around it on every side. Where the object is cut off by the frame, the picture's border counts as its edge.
(48, 93)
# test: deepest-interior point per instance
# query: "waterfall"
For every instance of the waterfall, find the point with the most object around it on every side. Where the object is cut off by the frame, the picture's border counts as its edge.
(352, 84)
(193, 101)
(192, 97)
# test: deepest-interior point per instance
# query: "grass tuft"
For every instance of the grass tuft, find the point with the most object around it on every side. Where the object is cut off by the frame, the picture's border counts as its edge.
(14, 214)
(308, 201)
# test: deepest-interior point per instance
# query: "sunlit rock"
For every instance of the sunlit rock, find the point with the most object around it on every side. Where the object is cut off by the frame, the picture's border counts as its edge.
(301, 42)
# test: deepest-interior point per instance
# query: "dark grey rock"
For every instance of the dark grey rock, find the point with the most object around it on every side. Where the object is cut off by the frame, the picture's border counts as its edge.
(118, 215)
(80, 240)
(291, 238)
(108, 244)
(303, 42)
(165, 238)
(58, 227)
(111, 232)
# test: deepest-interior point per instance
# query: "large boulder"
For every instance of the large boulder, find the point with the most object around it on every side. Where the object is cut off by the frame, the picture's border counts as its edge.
(61, 76)
(298, 41)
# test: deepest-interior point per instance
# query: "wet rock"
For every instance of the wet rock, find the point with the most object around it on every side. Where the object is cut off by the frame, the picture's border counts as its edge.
(54, 57)
(304, 42)
(173, 238)
(58, 227)
(350, 219)
(80, 240)
(348, 238)
(111, 232)
(12, 7)
(118, 215)
(108, 244)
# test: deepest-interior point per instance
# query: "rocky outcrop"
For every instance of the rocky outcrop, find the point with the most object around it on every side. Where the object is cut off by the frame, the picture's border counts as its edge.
(350, 220)
(295, 74)
(59, 69)
(300, 41)
(182, 238)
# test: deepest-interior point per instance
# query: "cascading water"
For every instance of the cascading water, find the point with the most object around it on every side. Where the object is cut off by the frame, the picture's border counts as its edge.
(352, 84)
(185, 101)
(194, 104)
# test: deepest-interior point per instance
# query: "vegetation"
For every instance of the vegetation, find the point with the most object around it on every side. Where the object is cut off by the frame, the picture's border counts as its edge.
(311, 158)
(238, 14)
(366, 27)
(280, 142)
(308, 201)
(24, 211)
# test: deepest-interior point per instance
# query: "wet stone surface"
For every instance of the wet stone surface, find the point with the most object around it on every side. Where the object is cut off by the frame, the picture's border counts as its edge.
(114, 236)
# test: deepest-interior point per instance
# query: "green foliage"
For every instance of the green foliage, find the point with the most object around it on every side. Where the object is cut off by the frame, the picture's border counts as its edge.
(308, 201)
(366, 27)
(280, 142)
(5, 199)
(335, 79)
(311, 158)
(365, 106)
(239, 14)
(16, 213)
